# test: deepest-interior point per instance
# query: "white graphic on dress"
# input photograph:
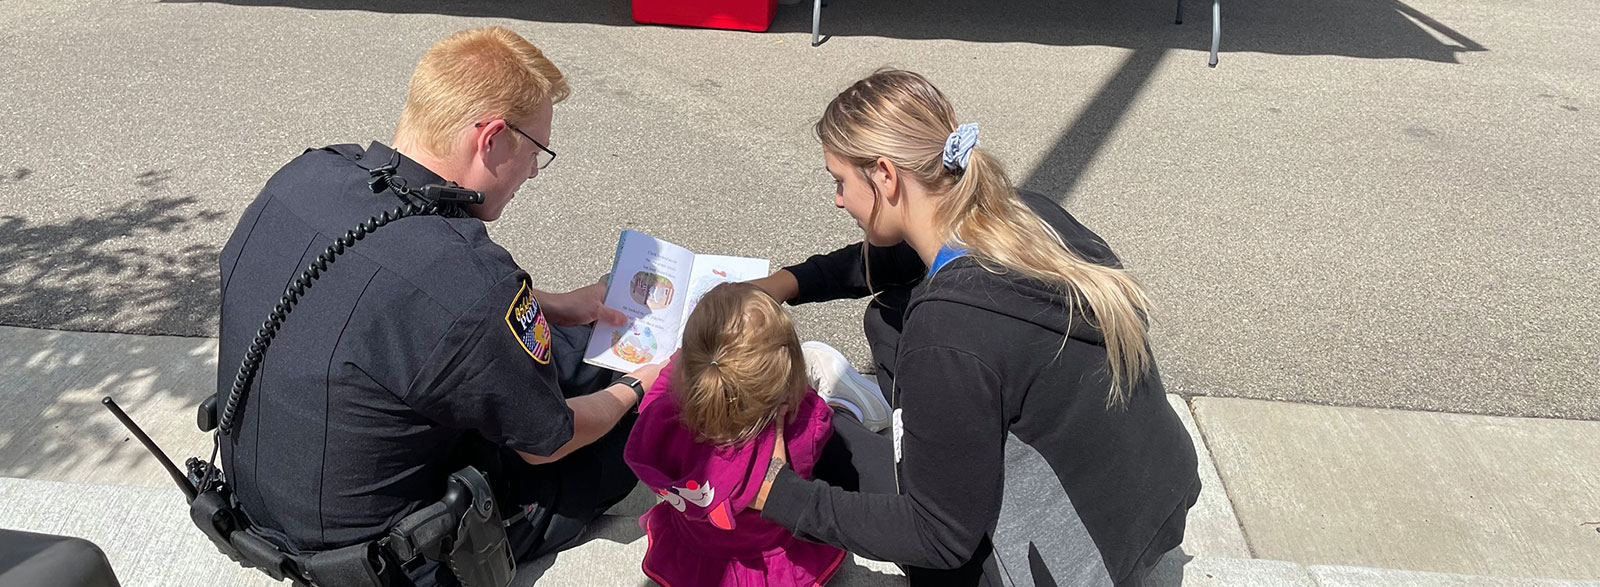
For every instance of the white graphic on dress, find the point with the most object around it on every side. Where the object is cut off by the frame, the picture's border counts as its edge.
(672, 498)
(696, 493)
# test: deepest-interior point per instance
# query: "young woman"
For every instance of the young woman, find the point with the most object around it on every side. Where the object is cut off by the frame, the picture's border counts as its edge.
(1032, 442)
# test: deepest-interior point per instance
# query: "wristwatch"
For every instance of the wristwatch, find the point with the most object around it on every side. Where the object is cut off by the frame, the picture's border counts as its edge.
(638, 389)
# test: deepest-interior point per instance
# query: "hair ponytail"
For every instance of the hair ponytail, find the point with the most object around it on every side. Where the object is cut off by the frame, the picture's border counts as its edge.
(741, 365)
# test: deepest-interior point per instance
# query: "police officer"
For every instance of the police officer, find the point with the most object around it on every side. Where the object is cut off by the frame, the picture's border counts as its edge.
(424, 347)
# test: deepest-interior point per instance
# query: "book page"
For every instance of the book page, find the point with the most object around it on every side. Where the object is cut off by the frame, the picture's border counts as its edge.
(710, 270)
(649, 280)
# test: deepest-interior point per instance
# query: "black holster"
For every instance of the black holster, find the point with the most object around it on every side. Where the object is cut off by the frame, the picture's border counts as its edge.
(478, 552)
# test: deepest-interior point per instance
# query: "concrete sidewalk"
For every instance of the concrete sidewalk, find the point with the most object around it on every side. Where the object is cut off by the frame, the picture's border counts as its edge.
(1324, 496)
(150, 542)
(1386, 488)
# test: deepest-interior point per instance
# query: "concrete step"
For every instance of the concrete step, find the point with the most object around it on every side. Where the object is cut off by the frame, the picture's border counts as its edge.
(144, 531)
(146, 534)
(1451, 493)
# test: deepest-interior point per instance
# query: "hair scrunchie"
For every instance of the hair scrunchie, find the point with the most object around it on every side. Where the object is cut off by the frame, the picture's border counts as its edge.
(958, 148)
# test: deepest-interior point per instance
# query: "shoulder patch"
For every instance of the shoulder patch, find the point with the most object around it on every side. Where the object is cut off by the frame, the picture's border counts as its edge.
(527, 323)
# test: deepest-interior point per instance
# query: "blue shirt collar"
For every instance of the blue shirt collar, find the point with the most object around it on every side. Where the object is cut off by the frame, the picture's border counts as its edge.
(946, 254)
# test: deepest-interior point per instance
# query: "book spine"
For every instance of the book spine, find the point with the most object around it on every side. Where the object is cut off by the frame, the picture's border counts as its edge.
(616, 257)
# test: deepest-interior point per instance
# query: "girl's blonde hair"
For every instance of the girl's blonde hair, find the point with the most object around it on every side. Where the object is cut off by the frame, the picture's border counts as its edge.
(740, 365)
(900, 116)
(485, 71)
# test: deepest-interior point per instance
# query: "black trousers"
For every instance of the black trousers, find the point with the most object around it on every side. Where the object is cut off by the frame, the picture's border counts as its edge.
(554, 501)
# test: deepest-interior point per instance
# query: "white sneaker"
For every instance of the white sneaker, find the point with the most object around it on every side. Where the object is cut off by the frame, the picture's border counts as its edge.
(833, 377)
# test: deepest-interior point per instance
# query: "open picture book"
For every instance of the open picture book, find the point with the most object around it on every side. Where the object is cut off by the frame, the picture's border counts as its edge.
(657, 284)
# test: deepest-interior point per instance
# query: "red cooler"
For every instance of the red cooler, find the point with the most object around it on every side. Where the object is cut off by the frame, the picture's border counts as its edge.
(744, 15)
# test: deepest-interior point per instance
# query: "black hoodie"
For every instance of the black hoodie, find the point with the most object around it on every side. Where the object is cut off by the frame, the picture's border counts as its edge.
(1011, 468)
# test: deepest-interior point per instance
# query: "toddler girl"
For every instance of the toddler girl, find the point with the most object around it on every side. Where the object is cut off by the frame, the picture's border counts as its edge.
(705, 434)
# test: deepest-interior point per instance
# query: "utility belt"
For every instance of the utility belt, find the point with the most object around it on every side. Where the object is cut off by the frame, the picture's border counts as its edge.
(463, 530)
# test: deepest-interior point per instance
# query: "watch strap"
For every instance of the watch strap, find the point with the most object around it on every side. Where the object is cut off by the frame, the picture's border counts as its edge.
(637, 386)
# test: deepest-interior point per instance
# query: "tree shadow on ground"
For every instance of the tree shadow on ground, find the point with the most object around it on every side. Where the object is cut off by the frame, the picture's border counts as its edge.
(79, 273)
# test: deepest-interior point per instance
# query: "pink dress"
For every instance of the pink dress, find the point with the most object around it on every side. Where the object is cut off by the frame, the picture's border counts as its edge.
(701, 533)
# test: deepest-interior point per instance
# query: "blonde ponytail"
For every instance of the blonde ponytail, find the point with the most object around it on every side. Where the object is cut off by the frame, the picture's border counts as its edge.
(902, 117)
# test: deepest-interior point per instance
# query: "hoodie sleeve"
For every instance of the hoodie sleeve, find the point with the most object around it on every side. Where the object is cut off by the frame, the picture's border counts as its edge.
(843, 274)
(950, 479)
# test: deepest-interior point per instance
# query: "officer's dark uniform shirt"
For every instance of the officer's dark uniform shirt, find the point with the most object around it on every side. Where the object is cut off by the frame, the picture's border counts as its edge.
(420, 334)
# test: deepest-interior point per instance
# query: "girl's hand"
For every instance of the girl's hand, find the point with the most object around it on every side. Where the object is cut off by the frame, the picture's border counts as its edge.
(780, 459)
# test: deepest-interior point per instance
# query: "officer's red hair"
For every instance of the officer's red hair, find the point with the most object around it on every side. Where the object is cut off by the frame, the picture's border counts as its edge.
(473, 74)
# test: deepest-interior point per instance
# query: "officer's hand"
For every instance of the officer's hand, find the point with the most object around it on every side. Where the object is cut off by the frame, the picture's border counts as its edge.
(584, 305)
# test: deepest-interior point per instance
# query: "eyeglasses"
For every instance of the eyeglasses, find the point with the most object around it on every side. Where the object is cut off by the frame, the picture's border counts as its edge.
(539, 161)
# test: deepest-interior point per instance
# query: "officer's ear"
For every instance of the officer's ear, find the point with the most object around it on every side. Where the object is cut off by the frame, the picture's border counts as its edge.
(487, 135)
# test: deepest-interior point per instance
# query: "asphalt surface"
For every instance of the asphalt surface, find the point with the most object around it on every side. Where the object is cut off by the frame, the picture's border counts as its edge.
(1368, 203)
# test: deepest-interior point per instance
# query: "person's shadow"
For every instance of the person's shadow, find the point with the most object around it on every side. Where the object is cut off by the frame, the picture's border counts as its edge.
(1169, 572)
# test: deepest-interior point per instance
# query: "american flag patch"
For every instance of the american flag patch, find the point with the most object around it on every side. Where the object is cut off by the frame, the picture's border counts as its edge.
(527, 323)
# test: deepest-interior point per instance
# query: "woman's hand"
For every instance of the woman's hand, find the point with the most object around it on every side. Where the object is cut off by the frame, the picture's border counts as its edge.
(780, 459)
(584, 305)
